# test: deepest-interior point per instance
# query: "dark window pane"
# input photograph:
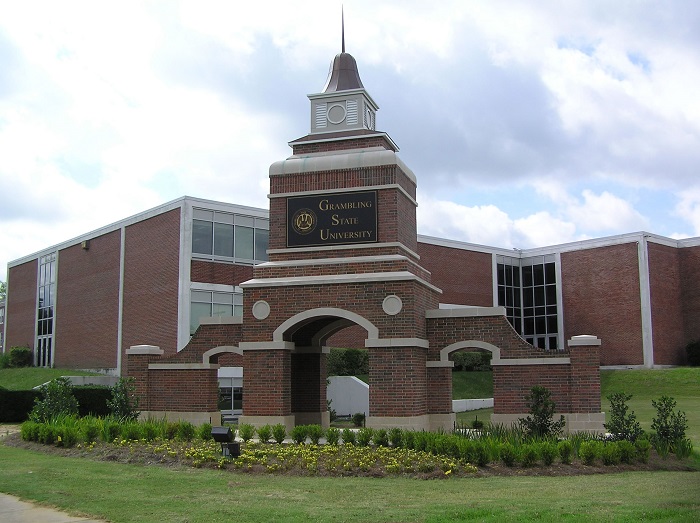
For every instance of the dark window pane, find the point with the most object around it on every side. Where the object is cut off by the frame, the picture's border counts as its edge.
(509, 296)
(539, 311)
(541, 343)
(538, 274)
(516, 276)
(528, 311)
(262, 239)
(530, 340)
(553, 344)
(500, 270)
(549, 273)
(527, 298)
(501, 296)
(552, 325)
(201, 237)
(518, 325)
(527, 276)
(223, 239)
(540, 325)
(539, 295)
(243, 239)
(551, 309)
(509, 275)
(551, 294)
(529, 328)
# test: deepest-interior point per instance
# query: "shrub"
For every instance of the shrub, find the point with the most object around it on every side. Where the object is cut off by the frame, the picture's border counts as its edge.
(5, 360)
(246, 432)
(347, 362)
(409, 439)
(610, 453)
(540, 422)
(186, 431)
(315, 433)
(333, 435)
(279, 432)
(364, 436)
(396, 437)
(643, 448)
(123, 403)
(21, 357)
(627, 451)
(204, 432)
(110, 430)
(92, 400)
(472, 361)
(508, 454)
(15, 405)
(349, 436)
(358, 419)
(692, 352)
(380, 438)
(669, 426)
(589, 451)
(264, 433)
(130, 430)
(566, 451)
(29, 431)
(58, 399)
(623, 425)
(528, 454)
(683, 448)
(548, 452)
(298, 434)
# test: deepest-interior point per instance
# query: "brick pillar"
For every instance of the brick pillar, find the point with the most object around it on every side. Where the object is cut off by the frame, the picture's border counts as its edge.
(585, 374)
(137, 359)
(267, 382)
(308, 385)
(397, 382)
(440, 387)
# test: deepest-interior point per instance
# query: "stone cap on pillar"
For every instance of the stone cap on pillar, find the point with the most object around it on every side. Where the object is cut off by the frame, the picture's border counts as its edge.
(144, 349)
(583, 340)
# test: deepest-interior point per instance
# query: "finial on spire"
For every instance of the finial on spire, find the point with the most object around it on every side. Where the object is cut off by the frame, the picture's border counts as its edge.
(342, 30)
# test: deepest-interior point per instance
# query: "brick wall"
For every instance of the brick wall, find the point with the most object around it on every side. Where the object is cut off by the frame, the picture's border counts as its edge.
(266, 378)
(342, 145)
(666, 304)
(151, 276)
(219, 273)
(87, 306)
(397, 381)
(690, 291)
(601, 297)
(465, 277)
(20, 312)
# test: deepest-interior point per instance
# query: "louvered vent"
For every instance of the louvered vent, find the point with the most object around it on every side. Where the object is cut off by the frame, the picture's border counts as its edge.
(321, 115)
(351, 107)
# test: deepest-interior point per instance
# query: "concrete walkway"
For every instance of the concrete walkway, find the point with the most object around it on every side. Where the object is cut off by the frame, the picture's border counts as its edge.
(12, 510)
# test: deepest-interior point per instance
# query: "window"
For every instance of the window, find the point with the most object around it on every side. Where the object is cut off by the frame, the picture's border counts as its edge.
(527, 288)
(208, 304)
(220, 235)
(45, 309)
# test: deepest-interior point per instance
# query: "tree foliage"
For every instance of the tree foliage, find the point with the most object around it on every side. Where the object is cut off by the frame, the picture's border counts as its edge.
(123, 403)
(58, 400)
(623, 424)
(540, 423)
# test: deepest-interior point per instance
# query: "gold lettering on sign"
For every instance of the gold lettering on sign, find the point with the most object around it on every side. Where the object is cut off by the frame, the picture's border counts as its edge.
(325, 205)
(326, 235)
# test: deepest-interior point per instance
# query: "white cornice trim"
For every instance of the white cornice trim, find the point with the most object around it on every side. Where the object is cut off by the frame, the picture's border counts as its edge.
(532, 361)
(345, 247)
(348, 261)
(465, 312)
(343, 160)
(367, 277)
(267, 345)
(347, 190)
(397, 342)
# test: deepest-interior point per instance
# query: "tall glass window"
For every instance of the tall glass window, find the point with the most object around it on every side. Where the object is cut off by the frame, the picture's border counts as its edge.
(220, 235)
(527, 288)
(45, 310)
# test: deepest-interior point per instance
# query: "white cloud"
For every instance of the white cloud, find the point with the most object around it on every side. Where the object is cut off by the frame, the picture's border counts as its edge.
(605, 212)
(689, 207)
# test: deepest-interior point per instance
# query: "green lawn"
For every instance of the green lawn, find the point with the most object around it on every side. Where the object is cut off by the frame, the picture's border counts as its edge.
(126, 493)
(29, 377)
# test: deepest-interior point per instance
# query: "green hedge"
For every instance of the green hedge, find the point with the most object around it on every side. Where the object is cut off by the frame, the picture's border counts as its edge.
(15, 405)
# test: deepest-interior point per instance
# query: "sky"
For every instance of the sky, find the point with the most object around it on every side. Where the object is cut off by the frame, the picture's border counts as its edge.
(527, 123)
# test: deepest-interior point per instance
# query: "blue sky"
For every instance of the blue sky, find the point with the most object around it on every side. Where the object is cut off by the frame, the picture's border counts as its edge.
(527, 123)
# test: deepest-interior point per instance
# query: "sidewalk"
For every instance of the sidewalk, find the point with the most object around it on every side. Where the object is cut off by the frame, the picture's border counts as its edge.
(12, 510)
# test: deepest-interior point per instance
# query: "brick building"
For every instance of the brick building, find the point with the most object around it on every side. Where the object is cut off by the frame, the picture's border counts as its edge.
(149, 278)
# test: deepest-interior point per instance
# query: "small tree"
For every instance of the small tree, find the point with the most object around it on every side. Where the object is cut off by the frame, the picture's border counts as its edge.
(540, 423)
(123, 403)
(57, 400)
(669, 426)
(622, 426)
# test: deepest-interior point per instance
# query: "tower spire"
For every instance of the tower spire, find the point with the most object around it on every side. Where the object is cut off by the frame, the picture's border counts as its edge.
(342, 29)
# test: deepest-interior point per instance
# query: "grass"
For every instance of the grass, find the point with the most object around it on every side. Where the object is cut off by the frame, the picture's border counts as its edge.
(26, 378)
(124, 493)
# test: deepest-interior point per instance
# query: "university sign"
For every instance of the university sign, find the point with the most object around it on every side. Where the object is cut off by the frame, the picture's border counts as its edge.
(332, 219)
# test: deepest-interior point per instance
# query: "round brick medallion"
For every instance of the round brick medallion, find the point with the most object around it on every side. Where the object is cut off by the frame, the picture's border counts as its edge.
(261, 309)
(392, 305)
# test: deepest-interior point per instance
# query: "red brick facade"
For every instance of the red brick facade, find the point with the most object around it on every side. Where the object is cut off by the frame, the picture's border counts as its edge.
(88, 286)
(20, 307)
(689, 258)
(601, 296)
